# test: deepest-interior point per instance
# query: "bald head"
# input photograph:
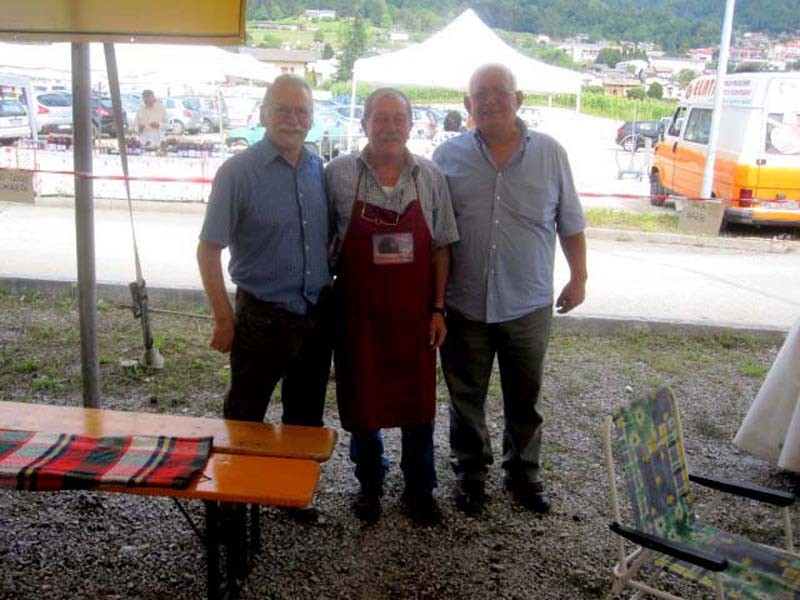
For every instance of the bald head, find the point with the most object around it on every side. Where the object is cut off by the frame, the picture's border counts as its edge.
(496, 70)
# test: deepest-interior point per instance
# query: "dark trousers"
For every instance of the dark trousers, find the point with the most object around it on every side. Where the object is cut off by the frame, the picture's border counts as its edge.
(419, 472)
(467, 358)
(271, 344)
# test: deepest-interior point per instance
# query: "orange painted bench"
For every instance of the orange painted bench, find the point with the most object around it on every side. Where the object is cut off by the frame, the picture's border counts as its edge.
(250, 463)
(230, 437)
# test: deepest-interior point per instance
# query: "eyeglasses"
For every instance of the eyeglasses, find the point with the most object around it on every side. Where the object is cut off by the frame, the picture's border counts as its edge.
(285, 112)
(483, 95)
(378, 214)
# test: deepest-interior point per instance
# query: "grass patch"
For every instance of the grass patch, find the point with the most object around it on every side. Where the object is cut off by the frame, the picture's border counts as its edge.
(606, 218)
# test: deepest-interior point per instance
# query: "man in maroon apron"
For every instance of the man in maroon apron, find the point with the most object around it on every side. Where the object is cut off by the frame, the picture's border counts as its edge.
(394, 224)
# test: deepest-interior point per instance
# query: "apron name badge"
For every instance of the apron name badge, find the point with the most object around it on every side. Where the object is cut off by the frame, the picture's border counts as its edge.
(392, 248)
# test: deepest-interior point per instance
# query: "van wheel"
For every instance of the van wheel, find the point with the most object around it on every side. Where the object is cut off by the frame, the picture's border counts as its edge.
(206, 127)
(176, 127)
(656, 189)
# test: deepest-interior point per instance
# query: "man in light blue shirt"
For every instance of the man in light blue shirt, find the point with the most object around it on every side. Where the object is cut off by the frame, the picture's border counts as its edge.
(268, 206)
(513, 194)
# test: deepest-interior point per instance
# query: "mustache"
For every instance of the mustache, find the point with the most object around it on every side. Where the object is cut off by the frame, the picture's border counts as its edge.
(291, 130)
(390, 137)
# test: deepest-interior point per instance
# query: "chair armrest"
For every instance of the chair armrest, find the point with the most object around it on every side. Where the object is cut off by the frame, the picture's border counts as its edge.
(746, 490)
(705, 560)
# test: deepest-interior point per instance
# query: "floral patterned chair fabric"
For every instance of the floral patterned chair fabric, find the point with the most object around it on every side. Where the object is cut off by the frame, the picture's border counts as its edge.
(648, 433)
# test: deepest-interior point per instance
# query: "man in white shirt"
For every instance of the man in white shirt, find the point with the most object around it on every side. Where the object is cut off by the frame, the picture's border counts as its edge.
(150, 120)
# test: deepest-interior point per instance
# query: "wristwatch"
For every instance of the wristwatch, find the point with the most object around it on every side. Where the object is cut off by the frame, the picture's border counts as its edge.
(438, 309)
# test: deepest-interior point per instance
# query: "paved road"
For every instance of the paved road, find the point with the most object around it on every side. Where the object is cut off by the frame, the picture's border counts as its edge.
(628, 280)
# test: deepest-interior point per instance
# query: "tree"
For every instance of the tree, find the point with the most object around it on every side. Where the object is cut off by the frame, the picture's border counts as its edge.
(319, 36)
(655, 91)
(685, 76)
(608, 56)
(354, 47)
(636, 93)
(327, 51)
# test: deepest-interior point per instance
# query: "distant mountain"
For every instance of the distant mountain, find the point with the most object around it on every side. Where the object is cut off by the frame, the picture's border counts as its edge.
(672, 24)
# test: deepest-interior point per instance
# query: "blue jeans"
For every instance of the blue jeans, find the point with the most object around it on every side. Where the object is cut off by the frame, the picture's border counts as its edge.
(417, 463)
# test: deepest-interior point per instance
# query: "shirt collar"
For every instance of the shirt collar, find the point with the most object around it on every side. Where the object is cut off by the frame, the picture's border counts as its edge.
(521, 126)
(410, 160)
(269, 153)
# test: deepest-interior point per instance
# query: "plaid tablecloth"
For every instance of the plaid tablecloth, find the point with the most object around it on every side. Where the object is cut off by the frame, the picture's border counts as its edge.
(52, 461)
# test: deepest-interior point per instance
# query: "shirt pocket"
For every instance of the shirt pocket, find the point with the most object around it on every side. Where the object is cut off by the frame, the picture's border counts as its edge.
(529, 203)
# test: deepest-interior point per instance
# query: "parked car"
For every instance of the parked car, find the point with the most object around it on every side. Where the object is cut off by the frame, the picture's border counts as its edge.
(13, 121)
(211, 110)
(53, 112)
(326, 133)
(240, 108)
(425, 122)
(131, 103)
(103, 116)
(183, 115)
(630, 139)
(530, 115)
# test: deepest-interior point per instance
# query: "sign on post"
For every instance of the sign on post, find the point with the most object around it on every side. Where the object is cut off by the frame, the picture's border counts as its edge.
(163, 21)
(16, 186)
(701, 217)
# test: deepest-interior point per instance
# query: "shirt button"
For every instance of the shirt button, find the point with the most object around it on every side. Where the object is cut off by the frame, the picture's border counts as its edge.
(304, 222)
(496, 222)
(307, 246)
(497, 198)
(308, 272)
(493, 246)
(301, 195)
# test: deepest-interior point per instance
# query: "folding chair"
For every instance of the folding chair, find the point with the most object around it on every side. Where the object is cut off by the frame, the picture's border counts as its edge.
(665, 528)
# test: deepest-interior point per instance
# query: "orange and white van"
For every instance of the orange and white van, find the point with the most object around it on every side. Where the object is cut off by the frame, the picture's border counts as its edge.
(757, 167)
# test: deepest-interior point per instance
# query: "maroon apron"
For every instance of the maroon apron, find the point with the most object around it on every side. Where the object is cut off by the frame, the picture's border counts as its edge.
(385, 366)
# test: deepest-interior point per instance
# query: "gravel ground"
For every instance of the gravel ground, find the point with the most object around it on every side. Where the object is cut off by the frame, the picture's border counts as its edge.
(87, 545)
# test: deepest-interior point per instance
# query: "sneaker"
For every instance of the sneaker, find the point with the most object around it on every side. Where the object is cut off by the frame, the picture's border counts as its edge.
(530, 494)
(422, 508)
(367, 506)
(470, 496)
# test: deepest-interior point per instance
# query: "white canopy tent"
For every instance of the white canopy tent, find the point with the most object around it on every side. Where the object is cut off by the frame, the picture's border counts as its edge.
(449, 57)
(144, 65)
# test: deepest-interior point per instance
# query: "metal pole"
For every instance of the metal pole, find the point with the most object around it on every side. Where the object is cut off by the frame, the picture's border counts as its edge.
(84, 222)
(722, 69)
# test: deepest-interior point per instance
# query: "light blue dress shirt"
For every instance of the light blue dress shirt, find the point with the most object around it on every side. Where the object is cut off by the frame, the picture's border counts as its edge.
(508, 219)
(274, 218)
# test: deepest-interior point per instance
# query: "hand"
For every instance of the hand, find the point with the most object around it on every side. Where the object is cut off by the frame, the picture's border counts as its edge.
(438, 330)
(571, 296)
(155, 125)
(222, 336)
(141, 128)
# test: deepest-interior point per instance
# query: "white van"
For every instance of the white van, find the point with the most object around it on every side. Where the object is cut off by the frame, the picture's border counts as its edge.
(757, 167)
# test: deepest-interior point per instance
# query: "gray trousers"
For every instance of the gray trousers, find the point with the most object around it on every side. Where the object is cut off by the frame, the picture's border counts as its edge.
(467, 359)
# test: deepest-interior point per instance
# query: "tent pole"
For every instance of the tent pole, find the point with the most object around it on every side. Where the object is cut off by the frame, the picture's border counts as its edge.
(352, 112)
(84, 222)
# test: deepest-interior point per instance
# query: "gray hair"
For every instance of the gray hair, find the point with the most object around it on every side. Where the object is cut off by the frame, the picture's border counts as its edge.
(369, 103)
(287, 80)
(507, 73)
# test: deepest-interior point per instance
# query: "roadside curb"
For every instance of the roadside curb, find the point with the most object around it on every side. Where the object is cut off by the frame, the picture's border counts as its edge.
(698, 241)
(194, 299)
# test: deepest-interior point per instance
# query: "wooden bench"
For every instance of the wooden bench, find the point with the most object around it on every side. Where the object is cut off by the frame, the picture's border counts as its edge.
(250, 463)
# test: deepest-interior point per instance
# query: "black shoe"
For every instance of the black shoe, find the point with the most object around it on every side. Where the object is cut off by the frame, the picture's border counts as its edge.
(367, 506)
(530, 494)
(307, 515)
(422, 508)
(470, 496)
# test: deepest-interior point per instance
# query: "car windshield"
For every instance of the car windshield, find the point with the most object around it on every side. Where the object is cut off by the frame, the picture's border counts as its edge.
(55, 99)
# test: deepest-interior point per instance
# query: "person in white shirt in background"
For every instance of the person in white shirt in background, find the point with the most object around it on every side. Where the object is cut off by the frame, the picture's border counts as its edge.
(150, 121)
